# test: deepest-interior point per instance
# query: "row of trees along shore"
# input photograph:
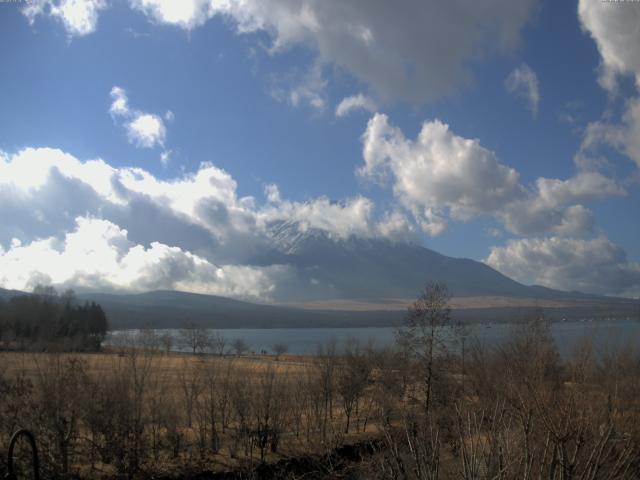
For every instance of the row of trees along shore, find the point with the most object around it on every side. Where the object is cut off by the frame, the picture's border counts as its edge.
(47, 320)
(428, 411)
(192, 338)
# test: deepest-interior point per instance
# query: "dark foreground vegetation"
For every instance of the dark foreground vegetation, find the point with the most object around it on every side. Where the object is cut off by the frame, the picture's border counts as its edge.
(46, 320)
(418, 411)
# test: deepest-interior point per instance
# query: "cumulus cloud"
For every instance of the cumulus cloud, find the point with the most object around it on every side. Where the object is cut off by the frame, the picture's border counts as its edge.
(352, 217)
(399, 52)
(438, 170)
(145, 130)
(272, 192)
(596, 265)
(624, 136)
(523, 82)
(583, 187)
(120, 103)
(97, 255)
(355, 102)
(44, 191)
(79, 17)
(416, 53)
(187, 14)
(441, 173)
(308, 90)
(556, 205)
(614, 28)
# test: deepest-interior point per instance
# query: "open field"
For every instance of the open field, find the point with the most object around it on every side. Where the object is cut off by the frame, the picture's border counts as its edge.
(471, 302)
(503, 412)
(145, 411)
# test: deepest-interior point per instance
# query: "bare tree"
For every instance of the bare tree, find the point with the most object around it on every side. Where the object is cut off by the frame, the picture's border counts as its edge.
(58, 408)
(352, 378)
(327, 363)
(423, 334)
(148, 339)
(209, 399)
(166, 340)
(280, 349)
(218, 344)
(190, 386)
(239, 346)
(269, 407)
(195, 338)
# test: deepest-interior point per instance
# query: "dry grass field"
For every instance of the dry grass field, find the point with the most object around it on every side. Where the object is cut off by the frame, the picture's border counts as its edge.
(112, 413)
(509, 412)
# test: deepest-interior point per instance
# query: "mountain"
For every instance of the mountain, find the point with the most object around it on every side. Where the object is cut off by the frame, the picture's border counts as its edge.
(7, 294)
(374, 269)
(341, 282)
(172, 309)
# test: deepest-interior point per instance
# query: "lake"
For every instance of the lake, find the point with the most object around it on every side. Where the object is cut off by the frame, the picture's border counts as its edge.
(305, 341)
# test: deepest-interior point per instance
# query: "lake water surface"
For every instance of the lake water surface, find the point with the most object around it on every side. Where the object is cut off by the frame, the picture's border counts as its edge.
(605, 333)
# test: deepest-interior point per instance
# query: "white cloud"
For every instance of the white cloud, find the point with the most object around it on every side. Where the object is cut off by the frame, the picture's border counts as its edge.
(596, 265)
(79, 17)
(120, 104)
(98, 255)
(93, 226)
(523, 82)
(187, 14)
(623, 136)
(556, 205)
(145, 130)
(437, 171)
(355, 102)
(614, 28)
(42, 191)
(301, 88)
(272, 192)
(441, 173)
(29, 171)
(396, 226)
(354, 216)
(165, 157)
(418, 52)
(531, 217)
(583, 187)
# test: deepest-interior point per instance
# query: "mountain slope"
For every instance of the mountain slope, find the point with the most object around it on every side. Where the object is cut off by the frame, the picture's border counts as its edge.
(172, 309)
(356, 268)
(376, 277)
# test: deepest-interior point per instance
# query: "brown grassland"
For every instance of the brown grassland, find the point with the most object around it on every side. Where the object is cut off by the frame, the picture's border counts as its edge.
(422, 410)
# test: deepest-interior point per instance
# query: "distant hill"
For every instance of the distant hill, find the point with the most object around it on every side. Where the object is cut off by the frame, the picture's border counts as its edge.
(354, 282)
(7, 294)
(171, 309)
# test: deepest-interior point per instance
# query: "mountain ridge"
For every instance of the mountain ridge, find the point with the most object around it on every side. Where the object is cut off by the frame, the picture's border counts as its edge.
(353, 267)
(353, 281)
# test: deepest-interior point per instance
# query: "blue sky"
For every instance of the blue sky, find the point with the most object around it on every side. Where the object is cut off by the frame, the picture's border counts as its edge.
(517, 91)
